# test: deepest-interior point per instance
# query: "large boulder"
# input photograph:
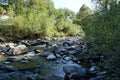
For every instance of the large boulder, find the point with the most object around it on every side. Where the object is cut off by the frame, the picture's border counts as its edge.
(70, 68)
(20, 49)
(80, 73)
(76, 72)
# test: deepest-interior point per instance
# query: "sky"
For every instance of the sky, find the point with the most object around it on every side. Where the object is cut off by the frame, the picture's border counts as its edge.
(74, 5)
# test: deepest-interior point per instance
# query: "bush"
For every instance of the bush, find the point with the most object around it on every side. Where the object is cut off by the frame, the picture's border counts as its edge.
(1, 8)
(35, 25)
(67, 28)
(104, 35)
(5, 27)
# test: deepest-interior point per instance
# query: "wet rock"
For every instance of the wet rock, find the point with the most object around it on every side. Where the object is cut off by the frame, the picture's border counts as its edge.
(73, 52)
(94, 78)
(54, 45)
(30, 54)
(71, 47)
(94, 69)
(81, 73)
(14, 59)
(2, 53)
(12, 76)
(5, 49)
(58, 55)
(7, 62)
(45, 53)
(39, 43)
(37, 51)
(102, 73)
(16, 76)
(10, 52)
(75, 71)
(68, 42)
(10, 58)
(75, 59)
(70, 68)
(61, 49)
(11, 45)
(51, 57)
(17, 59)
(25, 43)
(15, 50)
(54, 77)
(67, 62)
(24, 61)
(34, 77)
(10, 68)
(67, 58)
(34, 43)
(20, 49)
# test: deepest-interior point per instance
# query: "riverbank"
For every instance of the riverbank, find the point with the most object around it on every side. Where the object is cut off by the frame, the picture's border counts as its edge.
(7, 38)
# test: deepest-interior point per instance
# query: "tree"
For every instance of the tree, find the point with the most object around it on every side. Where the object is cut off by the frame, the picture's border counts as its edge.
(50, 7)
(19, 6)
(39, 5)
(82, 15)
(104, 33)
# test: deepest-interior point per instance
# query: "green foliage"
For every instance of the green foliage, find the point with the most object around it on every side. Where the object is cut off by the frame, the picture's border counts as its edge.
(104, 26)
(11, 11)
(38, 18)
(64, 23)
(66, 27)
(5, 28)
(50, 7)
(82, 15)
(103, 33)
(40, 5)
(1, 8)
(36, 25)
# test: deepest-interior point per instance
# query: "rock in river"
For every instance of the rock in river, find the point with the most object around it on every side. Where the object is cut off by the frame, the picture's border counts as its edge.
(70, 68)
(51, 57)
(20, 49)
(75, 71)
(81, 73)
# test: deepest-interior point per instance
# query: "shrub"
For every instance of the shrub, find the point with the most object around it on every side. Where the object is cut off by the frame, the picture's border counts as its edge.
(1, 8)
(67, 28)
(35, 25)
